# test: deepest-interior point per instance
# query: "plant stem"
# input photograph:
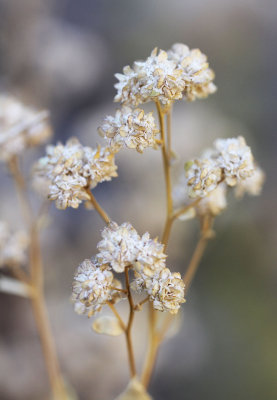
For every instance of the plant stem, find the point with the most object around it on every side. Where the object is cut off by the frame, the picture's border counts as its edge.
(98, 208)
(129, 325)
(157, 337)
(198, 252)
(166, 154)
(166, 163)
(36, 282)
(51, 361)
(20, 187)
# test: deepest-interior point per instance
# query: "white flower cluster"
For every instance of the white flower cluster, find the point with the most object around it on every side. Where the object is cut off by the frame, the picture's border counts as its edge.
(203, 176)
(72, 169)
(93, 286)
(166, 77)
(229, 163)
(21, 127)
(122, 246)
(251, 185)
(12, 247)
(197, 75)
(156, 79)
(132, 128)
(235, 158)
(119, 246)
(231, 160)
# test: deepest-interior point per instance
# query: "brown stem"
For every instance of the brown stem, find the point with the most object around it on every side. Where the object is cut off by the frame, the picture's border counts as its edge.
(20, 187)
(198, 252)
(166, 154)
(42, 322)
(129, 324)
(98, 208)
(166, 163)
(36, 282)
(138, 306)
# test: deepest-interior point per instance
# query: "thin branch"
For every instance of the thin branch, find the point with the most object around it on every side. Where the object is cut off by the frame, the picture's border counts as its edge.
(129, 324)
(198, 252)
(138, 305)
(36, 282)
(166, 164)
(98, 208)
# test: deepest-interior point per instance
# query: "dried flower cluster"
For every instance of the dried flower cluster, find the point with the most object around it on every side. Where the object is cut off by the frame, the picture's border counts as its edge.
(13, 246)
(231, 160)
(122, 247)
(229, 163)
(93, 287)
(21, 127)
(131, 128)
(166, 77)
(73, 169)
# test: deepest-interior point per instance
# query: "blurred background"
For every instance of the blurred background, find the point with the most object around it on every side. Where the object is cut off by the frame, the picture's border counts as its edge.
(62, 56)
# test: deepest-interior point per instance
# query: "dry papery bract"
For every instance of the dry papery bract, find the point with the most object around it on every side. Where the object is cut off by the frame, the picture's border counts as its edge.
(21, 127)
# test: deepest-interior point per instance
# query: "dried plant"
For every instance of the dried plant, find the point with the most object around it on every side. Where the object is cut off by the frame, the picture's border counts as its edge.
(69, 173)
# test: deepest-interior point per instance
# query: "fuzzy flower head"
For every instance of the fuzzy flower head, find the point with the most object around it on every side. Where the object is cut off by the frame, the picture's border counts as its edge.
(251, 185)
(131, 128)
(122, 246)
(72, 169)
(166, 291)
(156, 79)
(203, 176)
(235, 158)
(197, 75)
(119, 247)
(21, 127)
(93, 287)
(214, 203)
(13, 246)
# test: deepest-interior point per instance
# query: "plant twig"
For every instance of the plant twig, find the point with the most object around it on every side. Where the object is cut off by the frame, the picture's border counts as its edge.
(198, 252)
(129, 324)
(98, 208)
(36, 282)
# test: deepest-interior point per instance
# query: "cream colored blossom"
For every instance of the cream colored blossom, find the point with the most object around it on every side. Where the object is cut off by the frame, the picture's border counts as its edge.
(214, 203)
(119, 247)
(72, 169)
(132, 128)
(235, 158)
(166, 291)
(203, 176)
(156, 79)
(92, 287)
(252, 185)
(122, 246)
(197, 75)
(21, 127)
(13, 246)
